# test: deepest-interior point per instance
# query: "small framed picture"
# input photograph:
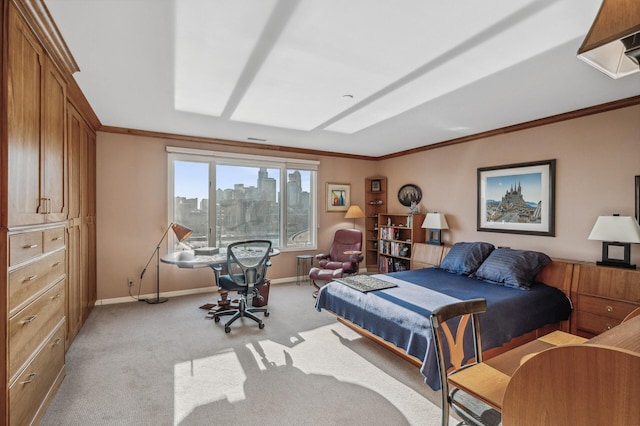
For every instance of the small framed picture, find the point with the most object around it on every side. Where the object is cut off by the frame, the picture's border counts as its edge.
(375, 185)
(338, 197)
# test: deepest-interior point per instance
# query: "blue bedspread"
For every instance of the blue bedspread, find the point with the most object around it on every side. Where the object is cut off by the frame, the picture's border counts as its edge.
(400, 315)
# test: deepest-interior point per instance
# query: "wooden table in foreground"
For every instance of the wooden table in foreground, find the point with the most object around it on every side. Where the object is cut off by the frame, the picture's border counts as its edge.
(488, 380)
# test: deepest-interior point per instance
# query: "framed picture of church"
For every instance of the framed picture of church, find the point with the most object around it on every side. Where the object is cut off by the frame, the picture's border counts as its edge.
(517, 198)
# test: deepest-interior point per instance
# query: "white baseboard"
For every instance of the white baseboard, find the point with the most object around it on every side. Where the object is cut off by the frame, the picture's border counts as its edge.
(128, 299)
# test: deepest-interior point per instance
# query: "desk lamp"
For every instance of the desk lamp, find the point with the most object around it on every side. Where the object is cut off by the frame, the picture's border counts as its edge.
(354, 213)
(435, 222)
(616, 231)
(182, 233)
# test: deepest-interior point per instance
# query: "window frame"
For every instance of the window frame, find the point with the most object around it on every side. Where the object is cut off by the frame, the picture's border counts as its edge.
(285, 165)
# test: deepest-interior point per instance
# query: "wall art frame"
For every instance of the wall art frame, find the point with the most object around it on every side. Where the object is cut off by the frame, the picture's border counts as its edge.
(517, 198)
(409, 193)
(637, 189)
(338, 197)
(376, 185)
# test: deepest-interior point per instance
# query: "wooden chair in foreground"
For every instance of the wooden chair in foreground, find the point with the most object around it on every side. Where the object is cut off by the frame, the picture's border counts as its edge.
(450, 350)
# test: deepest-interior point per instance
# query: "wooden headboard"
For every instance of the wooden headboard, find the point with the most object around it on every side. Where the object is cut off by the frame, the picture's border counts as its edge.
(425, 255)
(559, 274)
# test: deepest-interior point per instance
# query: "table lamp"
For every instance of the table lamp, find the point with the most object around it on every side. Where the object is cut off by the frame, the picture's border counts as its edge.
(435, 222)
(354, 213)
(616, 231)
(182, 233)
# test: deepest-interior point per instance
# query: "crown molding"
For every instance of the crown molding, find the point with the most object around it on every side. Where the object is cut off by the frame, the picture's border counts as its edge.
(37, 16)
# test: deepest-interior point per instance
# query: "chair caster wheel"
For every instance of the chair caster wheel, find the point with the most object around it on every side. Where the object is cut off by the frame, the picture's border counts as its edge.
(266, 314)
(227, 329)
(216, 319)
(261, 326)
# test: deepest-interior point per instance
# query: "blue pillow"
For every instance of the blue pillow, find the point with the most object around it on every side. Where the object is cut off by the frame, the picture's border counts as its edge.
(512, 268)
(465, 258)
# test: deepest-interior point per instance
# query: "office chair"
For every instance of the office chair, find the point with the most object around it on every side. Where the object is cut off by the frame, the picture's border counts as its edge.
(450, 350)
(247, 263)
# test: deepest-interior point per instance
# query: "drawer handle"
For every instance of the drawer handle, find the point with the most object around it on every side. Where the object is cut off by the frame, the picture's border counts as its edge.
(57, 342)
(31, 278)
(56, 296)
(30, 246)
(30, 378)
(55, 264)
(609, 308)
(55, 238)
(609, 326)
(30, 319)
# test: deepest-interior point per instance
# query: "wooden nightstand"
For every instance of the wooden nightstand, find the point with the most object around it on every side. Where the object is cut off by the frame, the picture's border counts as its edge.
(602, 297)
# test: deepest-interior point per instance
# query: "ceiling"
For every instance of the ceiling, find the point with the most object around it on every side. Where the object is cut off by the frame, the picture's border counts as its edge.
(363, 77)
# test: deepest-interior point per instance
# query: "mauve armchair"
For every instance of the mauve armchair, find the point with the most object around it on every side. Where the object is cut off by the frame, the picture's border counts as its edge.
(344, 257)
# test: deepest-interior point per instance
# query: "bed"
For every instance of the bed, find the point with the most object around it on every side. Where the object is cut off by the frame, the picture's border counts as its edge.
(517, 310)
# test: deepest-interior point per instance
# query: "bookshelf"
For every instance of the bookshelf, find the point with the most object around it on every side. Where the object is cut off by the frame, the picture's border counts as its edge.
(375, 202)
(397, 233)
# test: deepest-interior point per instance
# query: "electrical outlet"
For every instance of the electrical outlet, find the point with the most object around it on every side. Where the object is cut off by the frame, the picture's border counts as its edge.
(129, 282)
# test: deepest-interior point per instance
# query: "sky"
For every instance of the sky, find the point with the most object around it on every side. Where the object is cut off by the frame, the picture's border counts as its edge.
(497, 186)
(192, 178)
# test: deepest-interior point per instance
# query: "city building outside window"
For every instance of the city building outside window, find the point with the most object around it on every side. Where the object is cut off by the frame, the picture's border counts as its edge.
(227, 197)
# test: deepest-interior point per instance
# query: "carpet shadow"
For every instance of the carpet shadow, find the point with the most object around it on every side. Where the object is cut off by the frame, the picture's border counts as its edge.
(302, 399)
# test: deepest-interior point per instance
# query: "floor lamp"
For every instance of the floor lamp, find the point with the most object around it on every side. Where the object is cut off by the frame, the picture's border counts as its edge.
(354, 212)
(182, 233)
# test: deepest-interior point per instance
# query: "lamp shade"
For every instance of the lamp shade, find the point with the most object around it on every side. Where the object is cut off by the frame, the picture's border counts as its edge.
(613, 42)
(622, 229)
(435, 221)
(354, 212)
(182, 232)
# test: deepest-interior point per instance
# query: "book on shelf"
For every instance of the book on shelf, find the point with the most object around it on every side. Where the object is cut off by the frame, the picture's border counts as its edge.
(390, 264)
(390, 233)
(395, 248)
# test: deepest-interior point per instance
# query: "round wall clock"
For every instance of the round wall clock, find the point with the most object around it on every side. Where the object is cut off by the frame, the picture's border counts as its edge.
(409, 193)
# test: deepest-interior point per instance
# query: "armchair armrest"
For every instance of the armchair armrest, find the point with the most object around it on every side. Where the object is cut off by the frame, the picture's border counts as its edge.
(321, 256)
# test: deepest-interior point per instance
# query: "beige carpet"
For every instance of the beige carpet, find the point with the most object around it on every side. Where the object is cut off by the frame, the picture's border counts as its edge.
(140, 364)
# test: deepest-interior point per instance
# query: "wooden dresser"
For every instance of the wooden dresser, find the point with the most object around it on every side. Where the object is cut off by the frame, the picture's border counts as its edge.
(47, 210)
(36, 311)
(602, 297)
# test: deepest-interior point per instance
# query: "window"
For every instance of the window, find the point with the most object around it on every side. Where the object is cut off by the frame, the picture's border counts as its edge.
(227, 197)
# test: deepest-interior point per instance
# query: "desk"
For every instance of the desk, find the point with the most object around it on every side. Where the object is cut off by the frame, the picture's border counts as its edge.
(187, 259)
(488, 380)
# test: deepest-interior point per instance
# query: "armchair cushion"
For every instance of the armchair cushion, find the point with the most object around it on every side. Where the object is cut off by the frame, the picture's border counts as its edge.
(325, 274)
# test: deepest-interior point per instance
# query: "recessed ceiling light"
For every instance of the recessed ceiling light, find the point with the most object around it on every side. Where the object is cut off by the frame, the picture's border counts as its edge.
(257, 139)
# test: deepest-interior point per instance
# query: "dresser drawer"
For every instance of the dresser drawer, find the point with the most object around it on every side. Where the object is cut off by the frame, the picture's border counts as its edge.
(23, 247)
(614, 309)
(29, 327)
(29, 390)
(53, 239)
(27, 282)
(595, 324)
